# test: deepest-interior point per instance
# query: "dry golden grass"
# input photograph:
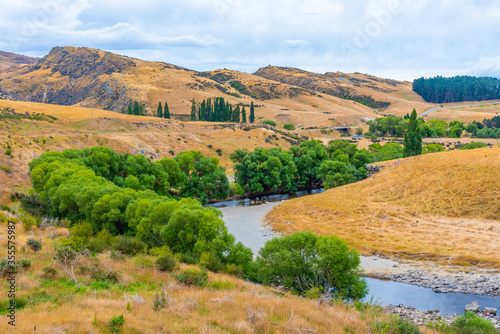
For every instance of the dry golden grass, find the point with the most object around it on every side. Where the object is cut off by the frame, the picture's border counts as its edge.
(443, 206)
(244, 308)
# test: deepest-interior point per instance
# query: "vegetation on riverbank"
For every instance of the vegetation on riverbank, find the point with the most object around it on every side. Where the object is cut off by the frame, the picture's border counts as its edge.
(414, 208)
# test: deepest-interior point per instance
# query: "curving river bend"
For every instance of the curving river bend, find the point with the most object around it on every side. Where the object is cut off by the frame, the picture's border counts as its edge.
(244, 219)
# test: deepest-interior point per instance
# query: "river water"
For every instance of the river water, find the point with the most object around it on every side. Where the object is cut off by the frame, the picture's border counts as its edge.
(244, 220)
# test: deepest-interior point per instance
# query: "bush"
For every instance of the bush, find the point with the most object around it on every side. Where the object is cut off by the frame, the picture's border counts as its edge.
(221, 285)
(128, 245)
(144, 261)
(395, 325)
(166, 263)
(211, 262)
(235, 189)
(187, 259)
(322, 261)
(34, 245)
(49, 272)
(117, 255)
(24, 264)
(471, 323)
(272, 123)
(289, 126)
(116, 324)
(97, 245)
(192, 277)
(474, 145)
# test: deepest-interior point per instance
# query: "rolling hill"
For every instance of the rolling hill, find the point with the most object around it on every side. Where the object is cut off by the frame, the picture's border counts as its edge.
(89, 77)
(441, 206)
(8, 59)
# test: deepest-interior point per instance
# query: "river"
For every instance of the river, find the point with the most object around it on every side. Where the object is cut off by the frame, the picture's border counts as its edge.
(244, 219)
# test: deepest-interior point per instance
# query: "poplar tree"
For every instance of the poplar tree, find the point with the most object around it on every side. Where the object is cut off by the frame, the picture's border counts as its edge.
(136, 108)
(243, 115)
(252, 113)
(160, 110)
(130, 108)
(193, 110)
(166, 114)
(413, 137)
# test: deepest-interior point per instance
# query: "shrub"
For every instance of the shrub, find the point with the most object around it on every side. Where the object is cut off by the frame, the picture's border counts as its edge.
(221, 285)
(234, 270)
(322, 261)
(474, 145)
(192, 277)
(101, 274)
(268, 122)
(187, 259)
(144, 261)
(28, 221)
(235, 189)
(166, 263)
(49, 272)
(159, 301)
(117, 255)
(471, 323)
(289, 126)
(395, 325)
(6, 168)
(128, 245)
(211, 262)
(24, 264)
(116, 324)
(34, 245)
(97, 245)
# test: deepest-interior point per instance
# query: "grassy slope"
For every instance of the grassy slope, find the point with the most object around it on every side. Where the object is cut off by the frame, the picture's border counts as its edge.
(57, 305)
(443, 206)
(125, 134)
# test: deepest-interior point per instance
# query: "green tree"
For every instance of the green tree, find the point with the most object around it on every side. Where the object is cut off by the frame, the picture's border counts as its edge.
(159, 112)
(166, 113)
(432, 148)
(304, 261)
(193, 110)
(252, 113)
(130, 110)
(413, 137)
(337, 173)
(243, 115)
(136, 108)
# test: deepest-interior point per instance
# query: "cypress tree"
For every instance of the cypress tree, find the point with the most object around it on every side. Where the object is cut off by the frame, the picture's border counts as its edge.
(252, 113)
(243, 115)
(166, 114)
(236, 115)
(413, 137)
(136, 108)
(201, 113)
(160, 110)
(130, 108)
(193, 110)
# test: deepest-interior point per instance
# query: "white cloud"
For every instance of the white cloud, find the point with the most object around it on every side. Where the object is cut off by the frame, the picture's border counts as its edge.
(296, 43)
(418, 38)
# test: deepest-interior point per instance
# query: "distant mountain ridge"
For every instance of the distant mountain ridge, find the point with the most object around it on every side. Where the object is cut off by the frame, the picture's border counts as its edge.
(8, 59)
(88, 77)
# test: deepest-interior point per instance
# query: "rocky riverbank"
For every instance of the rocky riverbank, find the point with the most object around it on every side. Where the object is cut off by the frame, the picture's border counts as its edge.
(460, 282)
(422, 318)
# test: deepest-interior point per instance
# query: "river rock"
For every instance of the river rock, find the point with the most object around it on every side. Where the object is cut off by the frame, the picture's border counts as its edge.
(474, 307)
(489, 311)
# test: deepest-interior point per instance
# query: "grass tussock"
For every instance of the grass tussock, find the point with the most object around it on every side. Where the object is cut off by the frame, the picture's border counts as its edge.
(443, 206)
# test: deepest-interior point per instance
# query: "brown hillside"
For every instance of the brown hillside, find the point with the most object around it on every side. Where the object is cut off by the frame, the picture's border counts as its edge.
(8, 59)
(86, 77)
(394, 97)
(442, 206)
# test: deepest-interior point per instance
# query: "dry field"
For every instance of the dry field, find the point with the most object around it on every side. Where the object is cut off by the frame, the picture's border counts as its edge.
(58, 305)
(74, 128)
(443, 206)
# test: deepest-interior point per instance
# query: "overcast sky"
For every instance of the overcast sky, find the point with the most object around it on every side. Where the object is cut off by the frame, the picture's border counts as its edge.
(400, 39)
